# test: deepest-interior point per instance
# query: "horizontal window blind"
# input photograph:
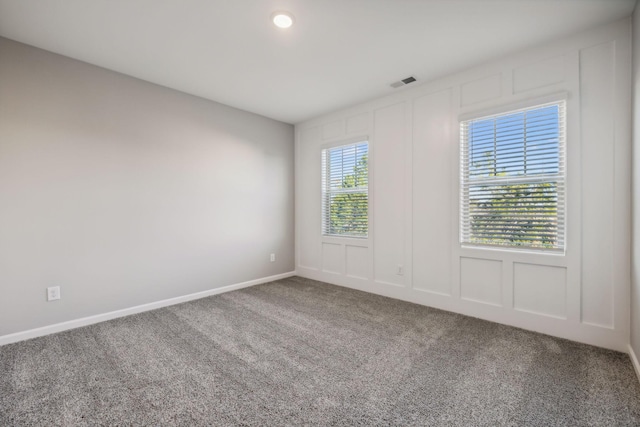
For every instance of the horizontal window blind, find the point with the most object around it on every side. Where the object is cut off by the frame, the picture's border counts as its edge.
(513, 179)
(345, 190)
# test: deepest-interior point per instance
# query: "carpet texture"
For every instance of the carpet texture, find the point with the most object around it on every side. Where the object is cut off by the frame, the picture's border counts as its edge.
(300, 352)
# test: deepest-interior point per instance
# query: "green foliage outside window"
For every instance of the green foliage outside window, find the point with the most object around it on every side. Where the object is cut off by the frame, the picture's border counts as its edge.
(348, 204)
(515, 215)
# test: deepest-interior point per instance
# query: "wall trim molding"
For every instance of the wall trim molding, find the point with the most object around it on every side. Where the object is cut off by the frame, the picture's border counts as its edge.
(634, 361)
(90, 320)
(552, 326)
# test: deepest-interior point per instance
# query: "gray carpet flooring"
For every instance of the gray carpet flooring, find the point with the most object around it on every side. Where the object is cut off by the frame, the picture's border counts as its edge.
(299, 352)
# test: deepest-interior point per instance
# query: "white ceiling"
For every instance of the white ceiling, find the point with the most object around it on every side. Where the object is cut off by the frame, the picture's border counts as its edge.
(338, 53)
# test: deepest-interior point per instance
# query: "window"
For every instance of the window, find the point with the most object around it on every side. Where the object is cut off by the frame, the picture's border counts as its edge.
(345, 190)
(513, 179)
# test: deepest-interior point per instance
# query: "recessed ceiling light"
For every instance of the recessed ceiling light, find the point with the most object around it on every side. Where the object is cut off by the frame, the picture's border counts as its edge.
(282, 19)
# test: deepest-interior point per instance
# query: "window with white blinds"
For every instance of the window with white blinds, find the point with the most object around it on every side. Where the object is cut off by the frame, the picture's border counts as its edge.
(513, 179)
(345, 190)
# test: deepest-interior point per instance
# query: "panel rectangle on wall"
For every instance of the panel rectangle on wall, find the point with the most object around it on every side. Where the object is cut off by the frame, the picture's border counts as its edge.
(481, 90)
(389, 185)
(358, 123)
(538, 74)
(540, 289)
(357, 259)
(311, 135)
(481, 280)
(332, 258)
(432, 192)
(333, 130)
(309, 194)
(597, 111)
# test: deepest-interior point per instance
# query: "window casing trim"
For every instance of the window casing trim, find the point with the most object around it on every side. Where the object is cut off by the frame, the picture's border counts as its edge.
(559, 179)
(361, 240)
(514, 107)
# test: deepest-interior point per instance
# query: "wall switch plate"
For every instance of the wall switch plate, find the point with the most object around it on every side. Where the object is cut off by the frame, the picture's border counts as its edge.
(272, 258)
(400, 270)
(53, 293)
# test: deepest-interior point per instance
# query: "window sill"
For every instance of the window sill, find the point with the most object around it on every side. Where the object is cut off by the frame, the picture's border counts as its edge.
(345, 240)
(513, 250)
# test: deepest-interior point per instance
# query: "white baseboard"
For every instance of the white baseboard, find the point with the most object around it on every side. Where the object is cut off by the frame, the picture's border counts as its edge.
(90, 320)
(634, 361)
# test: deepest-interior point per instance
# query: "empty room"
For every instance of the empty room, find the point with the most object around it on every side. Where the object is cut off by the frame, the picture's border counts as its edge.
(319, 212)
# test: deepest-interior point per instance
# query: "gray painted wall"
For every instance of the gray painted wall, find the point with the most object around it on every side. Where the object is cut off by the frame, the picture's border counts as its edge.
(635, 199)
(123, 192)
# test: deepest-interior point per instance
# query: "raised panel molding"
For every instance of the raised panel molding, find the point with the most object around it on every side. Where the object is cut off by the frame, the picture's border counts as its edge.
(333, 130)
(540, 289)
(308, 245)
(357, 262)
(481, 280)
(388, 161)
(539, 74)
(481, 90)
(332, 258)
(311, 135)
(597, 107)
(358, 123)
(432, 227)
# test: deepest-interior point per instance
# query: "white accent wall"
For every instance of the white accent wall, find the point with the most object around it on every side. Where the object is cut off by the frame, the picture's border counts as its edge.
(635, 251)
(125, 193)
(582, 295)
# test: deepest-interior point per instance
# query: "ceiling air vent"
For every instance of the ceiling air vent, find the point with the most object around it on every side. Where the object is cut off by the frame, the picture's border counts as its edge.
(403, 82)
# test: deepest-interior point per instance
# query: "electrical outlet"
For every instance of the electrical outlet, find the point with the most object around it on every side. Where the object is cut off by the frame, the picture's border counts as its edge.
(53, 293)
(272, 258)
(399, 270)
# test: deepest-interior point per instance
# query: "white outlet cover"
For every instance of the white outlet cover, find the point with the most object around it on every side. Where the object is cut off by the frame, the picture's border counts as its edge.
(53, 293)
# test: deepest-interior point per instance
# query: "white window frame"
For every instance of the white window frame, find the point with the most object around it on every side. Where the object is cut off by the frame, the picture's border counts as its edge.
(559, 179)
(326, 191)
